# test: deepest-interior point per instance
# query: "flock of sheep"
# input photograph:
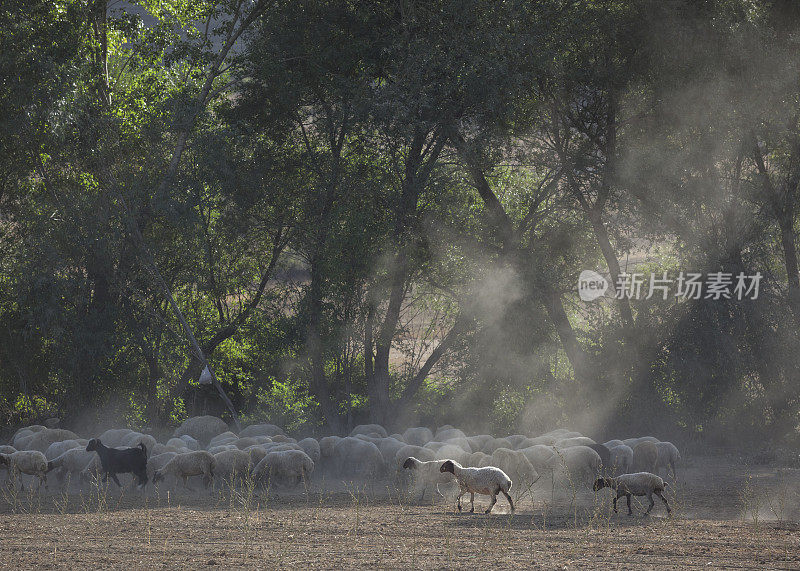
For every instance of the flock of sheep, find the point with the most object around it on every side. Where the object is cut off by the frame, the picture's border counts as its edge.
(420, 459)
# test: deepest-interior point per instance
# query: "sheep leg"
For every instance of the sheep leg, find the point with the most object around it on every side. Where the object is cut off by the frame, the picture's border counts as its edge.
(674, 474)
(510, 502)
(491, 505)
(665, 502)
(114, 477)
(652, 502)
(615, 505)
(458, 501)
(438, 491)
(630, 511)
(472, 502)
(422, 497)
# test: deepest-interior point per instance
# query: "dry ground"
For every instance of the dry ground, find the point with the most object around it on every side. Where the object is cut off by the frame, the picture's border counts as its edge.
(724, 517)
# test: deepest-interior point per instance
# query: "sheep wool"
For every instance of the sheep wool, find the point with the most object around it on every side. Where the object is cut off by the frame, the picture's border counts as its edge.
(488, 481)
(638, 484)
(199, 463)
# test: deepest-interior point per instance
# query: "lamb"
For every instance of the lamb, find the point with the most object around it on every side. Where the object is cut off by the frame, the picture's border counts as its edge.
(286, 466)
(487, 481)
(121, 461)
(201, 428)
(622, 458)
(114, 437)
(427, 474)
(638, 484)
(31, 462)
(668, 455)
(198, 463)
(645, 456)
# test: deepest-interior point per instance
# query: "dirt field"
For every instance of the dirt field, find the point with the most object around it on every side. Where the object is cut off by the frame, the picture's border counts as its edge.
(723, 517)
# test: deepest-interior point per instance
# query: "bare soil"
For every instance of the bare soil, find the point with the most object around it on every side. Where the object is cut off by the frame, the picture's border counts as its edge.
(724, 516)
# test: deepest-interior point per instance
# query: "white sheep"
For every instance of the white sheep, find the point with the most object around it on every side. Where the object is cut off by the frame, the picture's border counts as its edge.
(42, 440)
(355, 458)
(621, 458)
(638, 484)
(576, 463)
(311, 447)
(221, 448)
(478, 459)
(488, 481)
(201, 428)
(22, 435)
(645, 456)
(368, 429)
(198, 463)
(246, 442)
(478, 442)
(388, 447)
(31, 462)
(114, 437)
(287, 466)
(633, 442)
(232, 464)
(56, 449)
(668, 455)
(226, 437)
(418, 436)
(327, 446)
(494, 444)
(516, 465)
(261, 430)
(176, 443)
(136, 438)
(158, 461)
(70, 464)
(190, 442)
(612, 443)
(427, 473)
(444, 434)
(573, 441)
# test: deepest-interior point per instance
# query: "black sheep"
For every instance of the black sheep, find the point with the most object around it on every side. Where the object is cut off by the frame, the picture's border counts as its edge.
(121, 461)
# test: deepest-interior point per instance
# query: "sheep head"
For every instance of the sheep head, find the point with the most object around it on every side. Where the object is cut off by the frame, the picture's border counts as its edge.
(448, 466)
